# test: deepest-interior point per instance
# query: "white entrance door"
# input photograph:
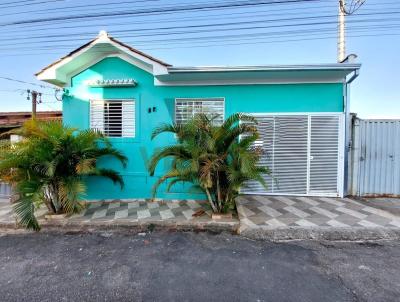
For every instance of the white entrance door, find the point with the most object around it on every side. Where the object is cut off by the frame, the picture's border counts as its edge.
(304, 153)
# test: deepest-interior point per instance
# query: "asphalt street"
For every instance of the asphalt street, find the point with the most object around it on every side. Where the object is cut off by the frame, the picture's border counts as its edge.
(168, 266)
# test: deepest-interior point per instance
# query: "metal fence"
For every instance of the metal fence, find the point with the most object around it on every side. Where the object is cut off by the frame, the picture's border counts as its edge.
(375, 158)
(5, 190)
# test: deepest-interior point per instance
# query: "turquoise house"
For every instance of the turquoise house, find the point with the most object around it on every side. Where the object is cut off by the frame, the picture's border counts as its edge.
(302, 112)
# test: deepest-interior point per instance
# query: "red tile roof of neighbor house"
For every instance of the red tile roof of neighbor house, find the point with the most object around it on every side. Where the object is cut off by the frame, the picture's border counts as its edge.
(16, 119)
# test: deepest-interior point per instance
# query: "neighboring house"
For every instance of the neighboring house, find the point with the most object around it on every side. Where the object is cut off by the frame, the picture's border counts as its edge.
(12, 120)
(125, 93)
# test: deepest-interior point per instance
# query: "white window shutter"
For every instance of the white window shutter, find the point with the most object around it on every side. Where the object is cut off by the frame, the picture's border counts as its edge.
(128, 119)
(97, 115)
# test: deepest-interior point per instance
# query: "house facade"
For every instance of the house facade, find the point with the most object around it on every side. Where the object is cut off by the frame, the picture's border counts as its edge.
(301, 111)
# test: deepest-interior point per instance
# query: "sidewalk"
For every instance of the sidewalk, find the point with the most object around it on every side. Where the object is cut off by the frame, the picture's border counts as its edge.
(259, 217)
(286, 218)
(138, 215)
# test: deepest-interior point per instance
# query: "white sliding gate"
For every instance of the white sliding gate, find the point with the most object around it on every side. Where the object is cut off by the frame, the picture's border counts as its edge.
(304, 153)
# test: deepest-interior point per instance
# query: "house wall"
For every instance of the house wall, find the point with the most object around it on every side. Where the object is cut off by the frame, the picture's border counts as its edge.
(238, 98)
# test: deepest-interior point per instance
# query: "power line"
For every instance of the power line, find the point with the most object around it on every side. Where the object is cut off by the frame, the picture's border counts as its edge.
(25, 82)
(85, 35)
(156, 10)
(174, 19)
(14, 38)
(269, 41)
(229, 29)
(142, 22)
(20, 3)
(199, 39)
(190, 26)
(237, 44)
(187, 26)
(76, 6)
(24, 1)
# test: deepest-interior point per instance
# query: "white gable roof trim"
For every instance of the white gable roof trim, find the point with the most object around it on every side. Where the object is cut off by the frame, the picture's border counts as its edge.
(60, 72)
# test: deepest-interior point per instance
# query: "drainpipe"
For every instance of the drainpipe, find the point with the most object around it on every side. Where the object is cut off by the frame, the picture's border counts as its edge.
(348, 127)
(356, 73)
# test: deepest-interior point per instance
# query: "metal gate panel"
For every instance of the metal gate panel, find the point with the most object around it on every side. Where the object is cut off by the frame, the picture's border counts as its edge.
(289, 170)
(375, 157)
(303, 152)
(325, 153)
(266, 136)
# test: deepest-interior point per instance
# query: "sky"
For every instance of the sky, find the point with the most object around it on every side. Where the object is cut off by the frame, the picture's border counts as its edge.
(35, 33)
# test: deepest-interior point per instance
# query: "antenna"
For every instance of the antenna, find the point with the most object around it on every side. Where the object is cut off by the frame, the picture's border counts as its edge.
(346, 8)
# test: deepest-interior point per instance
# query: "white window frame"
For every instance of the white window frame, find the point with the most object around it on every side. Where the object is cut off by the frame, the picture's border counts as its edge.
(127, 131)
(203, 99)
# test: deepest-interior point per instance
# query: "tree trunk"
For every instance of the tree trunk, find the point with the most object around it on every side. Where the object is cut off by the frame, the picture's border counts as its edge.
(219, 196)
(47, 201)
(53, 200)
(14, 195)
(211, 201)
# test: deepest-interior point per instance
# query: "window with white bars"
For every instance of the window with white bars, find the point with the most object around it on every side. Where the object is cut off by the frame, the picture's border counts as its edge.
(114, 118)
(187, 108)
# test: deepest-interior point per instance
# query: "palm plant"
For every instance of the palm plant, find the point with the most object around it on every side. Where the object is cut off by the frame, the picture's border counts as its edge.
(49, 165)
(212, 157)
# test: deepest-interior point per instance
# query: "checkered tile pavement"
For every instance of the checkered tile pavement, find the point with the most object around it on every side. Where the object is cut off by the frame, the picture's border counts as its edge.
(142, 210)
(128, 211)
(105, 213)
(255, 212)
(6, 214)
(283, 211)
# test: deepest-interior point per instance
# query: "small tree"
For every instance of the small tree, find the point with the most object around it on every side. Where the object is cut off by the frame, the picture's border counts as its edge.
(212, 157)
(49, 166)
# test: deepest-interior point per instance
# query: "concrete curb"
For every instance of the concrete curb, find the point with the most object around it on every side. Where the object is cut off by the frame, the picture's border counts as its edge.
(259, 233)
(320, 233)
(128, 226)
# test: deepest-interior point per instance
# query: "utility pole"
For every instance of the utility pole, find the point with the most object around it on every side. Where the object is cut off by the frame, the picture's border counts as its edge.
(344, 10)
(342, 31)
(34, 94)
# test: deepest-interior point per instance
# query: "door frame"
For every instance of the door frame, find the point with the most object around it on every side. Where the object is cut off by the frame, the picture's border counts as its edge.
(341, 153)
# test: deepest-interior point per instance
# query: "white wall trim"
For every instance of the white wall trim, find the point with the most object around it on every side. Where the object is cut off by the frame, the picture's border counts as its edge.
(158, 82)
